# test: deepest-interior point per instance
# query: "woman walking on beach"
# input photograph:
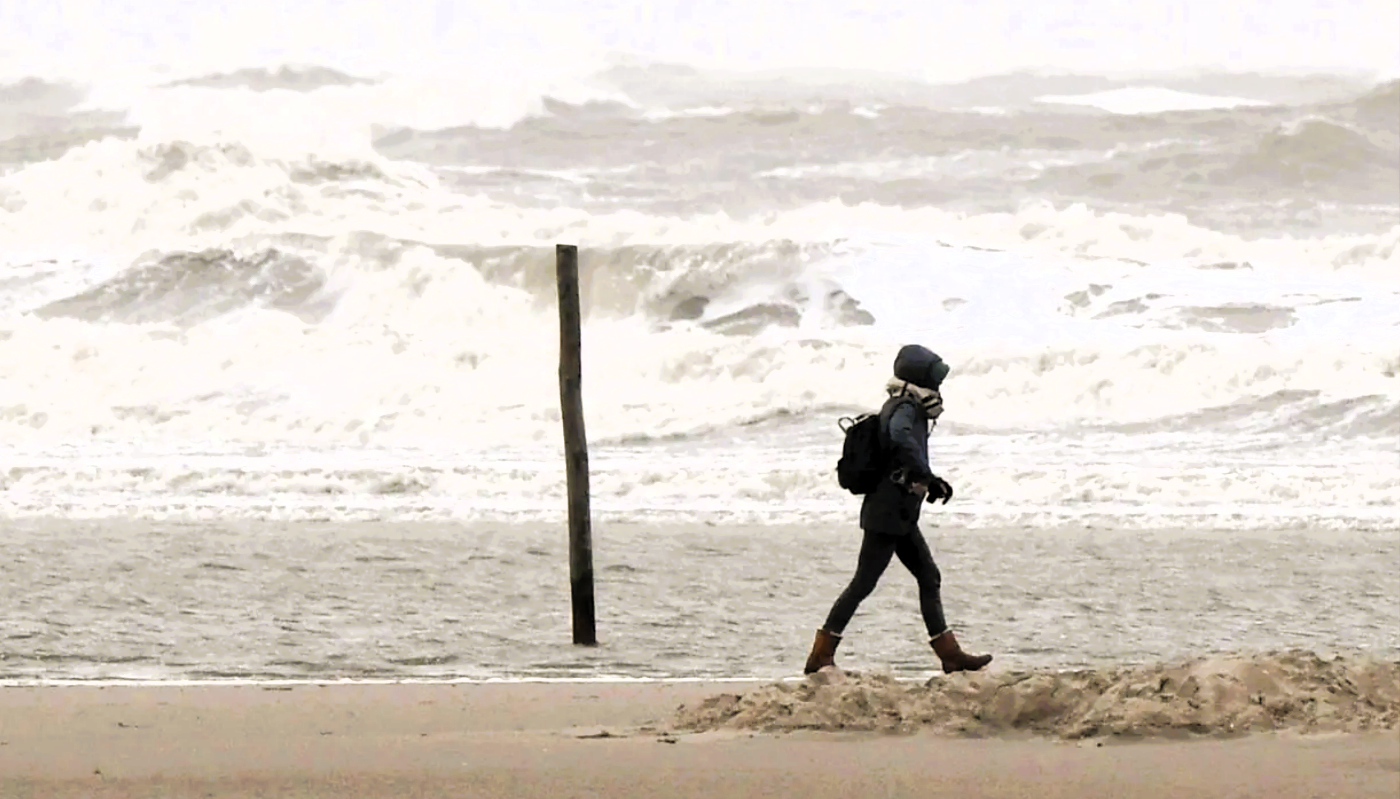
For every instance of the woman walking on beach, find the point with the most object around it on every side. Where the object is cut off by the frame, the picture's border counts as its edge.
(889, 514)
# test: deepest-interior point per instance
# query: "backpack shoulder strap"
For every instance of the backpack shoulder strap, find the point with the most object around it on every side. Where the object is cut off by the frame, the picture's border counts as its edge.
(887, 411)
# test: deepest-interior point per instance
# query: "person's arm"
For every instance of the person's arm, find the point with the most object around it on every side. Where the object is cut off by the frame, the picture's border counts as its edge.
(910, 453)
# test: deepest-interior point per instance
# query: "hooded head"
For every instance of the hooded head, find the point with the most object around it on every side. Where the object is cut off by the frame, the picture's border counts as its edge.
(920, 366)
(919, 373)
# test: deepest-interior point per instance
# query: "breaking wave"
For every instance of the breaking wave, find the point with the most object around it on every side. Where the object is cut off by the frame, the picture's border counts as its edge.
(209, 279)
(288, 78)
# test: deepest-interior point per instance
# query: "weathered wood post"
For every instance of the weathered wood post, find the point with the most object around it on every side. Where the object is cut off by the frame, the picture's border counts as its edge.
(575, 444)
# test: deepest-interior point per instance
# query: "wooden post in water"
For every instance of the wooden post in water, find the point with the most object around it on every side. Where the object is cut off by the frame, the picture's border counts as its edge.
(575, 445)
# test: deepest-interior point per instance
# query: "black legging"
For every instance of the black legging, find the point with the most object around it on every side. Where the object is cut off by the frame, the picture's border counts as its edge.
(875, 552)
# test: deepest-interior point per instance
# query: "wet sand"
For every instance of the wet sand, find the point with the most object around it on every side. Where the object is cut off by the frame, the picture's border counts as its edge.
(139, 600)
(581, 739)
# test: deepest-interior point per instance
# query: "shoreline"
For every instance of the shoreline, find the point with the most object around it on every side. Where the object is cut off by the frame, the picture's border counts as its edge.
(878, 672)
(133, 603)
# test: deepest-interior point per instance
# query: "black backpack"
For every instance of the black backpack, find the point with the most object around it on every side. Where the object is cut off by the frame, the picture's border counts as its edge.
(865, 459)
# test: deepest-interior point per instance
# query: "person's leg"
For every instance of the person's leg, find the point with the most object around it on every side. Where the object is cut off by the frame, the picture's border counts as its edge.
(914, 553)
(875, 553)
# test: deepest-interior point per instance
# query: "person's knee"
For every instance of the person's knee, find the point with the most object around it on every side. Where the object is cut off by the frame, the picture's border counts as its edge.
(930, 579)
(860, 587)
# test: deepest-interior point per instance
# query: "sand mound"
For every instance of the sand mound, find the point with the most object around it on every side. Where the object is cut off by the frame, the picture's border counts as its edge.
(1218, 696)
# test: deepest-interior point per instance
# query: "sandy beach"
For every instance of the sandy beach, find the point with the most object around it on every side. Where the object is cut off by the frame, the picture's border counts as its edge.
(600, 739)
(313, 656)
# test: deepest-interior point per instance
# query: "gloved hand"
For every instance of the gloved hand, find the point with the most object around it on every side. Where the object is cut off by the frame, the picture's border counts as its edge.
(938, 488)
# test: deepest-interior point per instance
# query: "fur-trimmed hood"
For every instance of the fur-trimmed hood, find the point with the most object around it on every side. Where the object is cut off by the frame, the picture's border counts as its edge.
(931, 400)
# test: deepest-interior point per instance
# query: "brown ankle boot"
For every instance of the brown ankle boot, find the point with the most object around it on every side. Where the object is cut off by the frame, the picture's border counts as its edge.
(823, 652)
(954, 659)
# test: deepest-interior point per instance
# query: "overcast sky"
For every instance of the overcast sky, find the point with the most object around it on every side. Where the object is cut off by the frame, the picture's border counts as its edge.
(949, 39)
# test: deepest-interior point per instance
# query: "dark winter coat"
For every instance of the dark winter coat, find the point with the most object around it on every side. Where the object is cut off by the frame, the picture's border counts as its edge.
(904, 429)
